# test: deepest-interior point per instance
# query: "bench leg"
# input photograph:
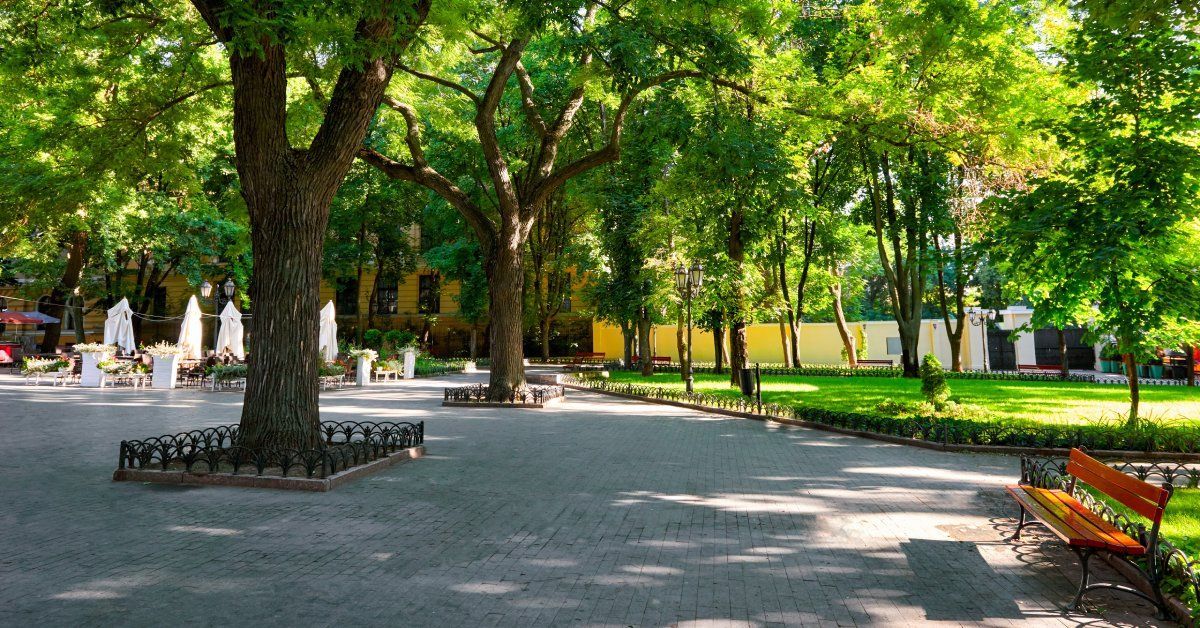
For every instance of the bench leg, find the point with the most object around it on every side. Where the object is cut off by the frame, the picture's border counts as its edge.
(1020, 524)
(1084, 558)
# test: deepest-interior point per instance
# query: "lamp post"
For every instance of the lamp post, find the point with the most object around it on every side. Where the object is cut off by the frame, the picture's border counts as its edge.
(688, 282)
(980, 318)
(206, 290)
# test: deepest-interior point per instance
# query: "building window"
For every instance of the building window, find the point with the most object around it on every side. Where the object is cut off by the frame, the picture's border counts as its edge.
(429, 295)
(894, 347)
(387, 295)
(346, 295)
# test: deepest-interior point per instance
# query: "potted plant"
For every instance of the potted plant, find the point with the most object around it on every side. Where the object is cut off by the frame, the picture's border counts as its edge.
(93, 354)
(1109, 360)
(37, 367)
(166, 363)
(365, 358)
(1155, 367)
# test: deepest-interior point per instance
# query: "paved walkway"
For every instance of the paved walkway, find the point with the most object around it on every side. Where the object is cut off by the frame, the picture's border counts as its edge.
(599, 512)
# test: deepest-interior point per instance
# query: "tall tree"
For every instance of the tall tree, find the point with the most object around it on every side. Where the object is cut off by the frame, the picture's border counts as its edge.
(617, 44)
(1117, 224)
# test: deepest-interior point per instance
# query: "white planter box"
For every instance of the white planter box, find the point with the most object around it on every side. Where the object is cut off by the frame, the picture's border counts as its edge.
(90, 377)
(410, 364)
(470, 367)
(166, 371)
(363, 374)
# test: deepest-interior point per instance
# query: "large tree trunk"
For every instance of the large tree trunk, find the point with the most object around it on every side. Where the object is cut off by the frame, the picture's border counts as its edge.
(644, 350)
(737, 331)
(1134, 391)
(280, 408)
(506, 282)
(474, 337)
(76, 248)
(839, 317)
(783, 341)
(544, 331)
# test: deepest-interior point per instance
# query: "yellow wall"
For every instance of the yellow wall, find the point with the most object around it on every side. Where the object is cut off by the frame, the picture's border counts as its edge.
(819, 343)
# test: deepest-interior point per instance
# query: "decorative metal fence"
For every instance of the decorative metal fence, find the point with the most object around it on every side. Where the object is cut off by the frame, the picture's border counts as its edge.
(479, 393)
(217, 450)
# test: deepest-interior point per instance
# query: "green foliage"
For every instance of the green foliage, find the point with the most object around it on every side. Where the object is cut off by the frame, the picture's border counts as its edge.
(933, 381)
(373, 338)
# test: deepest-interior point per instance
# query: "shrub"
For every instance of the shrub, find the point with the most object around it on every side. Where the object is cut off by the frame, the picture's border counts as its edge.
(398, 339)
(373, 338)
(933, 381)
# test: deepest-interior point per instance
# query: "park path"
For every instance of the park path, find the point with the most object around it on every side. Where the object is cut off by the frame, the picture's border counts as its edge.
(601, 511)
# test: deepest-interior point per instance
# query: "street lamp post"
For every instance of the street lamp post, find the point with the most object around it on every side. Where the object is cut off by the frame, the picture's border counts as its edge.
(206, 290)
(688, 282)
(980, 318)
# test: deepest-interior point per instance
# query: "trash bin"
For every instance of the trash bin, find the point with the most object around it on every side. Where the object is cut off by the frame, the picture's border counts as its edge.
(747, 380)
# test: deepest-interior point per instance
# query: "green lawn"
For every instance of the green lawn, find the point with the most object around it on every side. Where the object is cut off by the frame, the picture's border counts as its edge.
(1035, 401)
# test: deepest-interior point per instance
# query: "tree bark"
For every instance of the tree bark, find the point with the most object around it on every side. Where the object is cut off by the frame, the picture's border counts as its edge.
(644, 350)
(627, 338)
(1190, 361)
(839, 317)
(1134, 390)
(506, 278)
(76, 248)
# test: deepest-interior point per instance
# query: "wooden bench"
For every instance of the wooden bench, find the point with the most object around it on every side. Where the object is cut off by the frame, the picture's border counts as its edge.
(1039, 369)
(588, 357)
(878, 364)
(658, 360)
(1086, 533)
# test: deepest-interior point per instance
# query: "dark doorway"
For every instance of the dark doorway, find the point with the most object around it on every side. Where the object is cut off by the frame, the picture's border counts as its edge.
(1080, 355)
(1002, 355)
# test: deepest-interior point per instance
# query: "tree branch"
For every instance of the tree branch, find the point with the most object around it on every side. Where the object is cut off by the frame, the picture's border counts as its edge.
(441, 81)
(485, 126)
(527, 102)
(612, 150)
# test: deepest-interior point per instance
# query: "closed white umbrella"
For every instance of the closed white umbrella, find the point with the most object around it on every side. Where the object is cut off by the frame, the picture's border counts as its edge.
(230, 336)
(327, 340)
(118, 329)
(191, 331)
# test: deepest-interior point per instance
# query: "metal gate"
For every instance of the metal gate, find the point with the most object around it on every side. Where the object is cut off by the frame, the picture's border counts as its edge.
(1002, 355)
(1080, 355)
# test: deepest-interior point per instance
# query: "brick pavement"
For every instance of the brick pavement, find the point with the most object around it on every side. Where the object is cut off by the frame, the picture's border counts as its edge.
(601, 512)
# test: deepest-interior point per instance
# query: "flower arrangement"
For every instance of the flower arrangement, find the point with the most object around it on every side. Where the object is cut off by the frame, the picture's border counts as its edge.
(43, 365)
(113, 367)
(370, 355)
(164, 349)
(332, 369)
(94, 347)
(227, 372)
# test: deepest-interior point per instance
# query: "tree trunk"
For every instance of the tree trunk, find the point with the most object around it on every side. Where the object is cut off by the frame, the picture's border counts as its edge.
(1064, 366)
(358, 319)
(910, 337)
(64, 289)
(627, 338)
(1134, 392)
(474, 336)
(644, 350)
(719, 343)
(288, 230)
(545, 338)
(783, 341)
(839, 317)
(506, 282)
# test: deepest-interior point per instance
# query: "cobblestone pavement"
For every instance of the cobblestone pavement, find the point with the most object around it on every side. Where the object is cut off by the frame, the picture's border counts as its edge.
(600, 511)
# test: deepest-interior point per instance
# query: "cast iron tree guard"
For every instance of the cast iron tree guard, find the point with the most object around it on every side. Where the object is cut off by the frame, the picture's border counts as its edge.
(688, 282)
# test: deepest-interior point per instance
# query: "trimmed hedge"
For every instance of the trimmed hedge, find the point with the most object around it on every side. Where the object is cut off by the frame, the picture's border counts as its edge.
(1148, 437)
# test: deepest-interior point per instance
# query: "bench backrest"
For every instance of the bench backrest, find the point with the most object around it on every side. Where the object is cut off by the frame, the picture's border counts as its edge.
(1141, 497)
